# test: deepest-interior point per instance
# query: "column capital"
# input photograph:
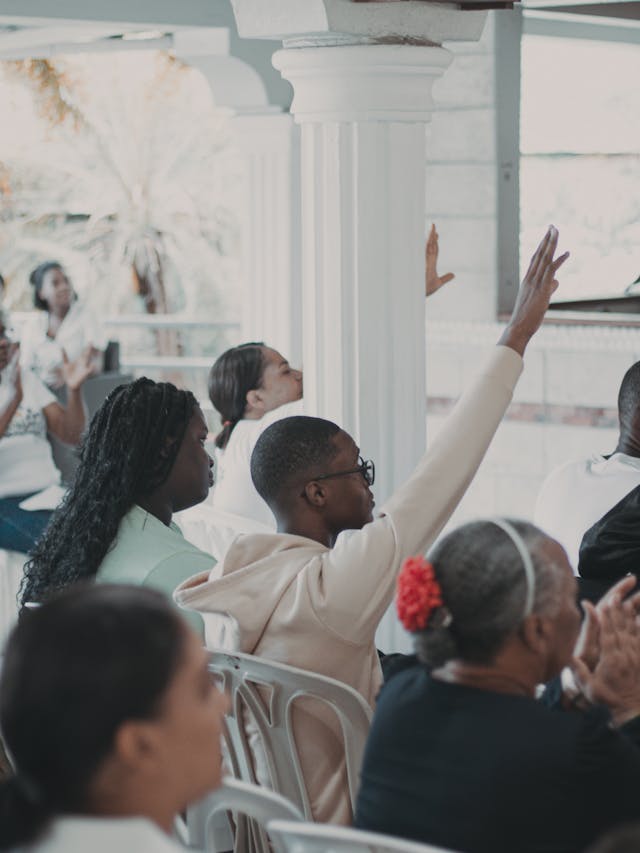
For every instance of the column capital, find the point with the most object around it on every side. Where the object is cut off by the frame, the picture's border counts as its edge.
(343, 21)
(378, 82)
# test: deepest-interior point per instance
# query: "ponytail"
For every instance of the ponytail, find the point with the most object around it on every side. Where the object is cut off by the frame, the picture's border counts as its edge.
(222, 438)
(236, 372)
(23, 814)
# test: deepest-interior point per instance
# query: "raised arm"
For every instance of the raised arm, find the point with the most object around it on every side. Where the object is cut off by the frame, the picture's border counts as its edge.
(6, 416)
(68, 422)
(359, 574)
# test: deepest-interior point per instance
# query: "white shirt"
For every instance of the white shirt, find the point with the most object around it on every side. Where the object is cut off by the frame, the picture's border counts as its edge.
(26, 463)
(103, 835)
(577, 494)
(43, 354)
(234, 491)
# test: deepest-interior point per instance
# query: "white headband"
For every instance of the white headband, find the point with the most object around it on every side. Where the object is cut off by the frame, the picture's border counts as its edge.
(527, 562)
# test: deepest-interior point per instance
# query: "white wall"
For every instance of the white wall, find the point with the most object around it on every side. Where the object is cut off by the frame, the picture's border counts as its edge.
(572, 374)
(462, 179)
(564, 405)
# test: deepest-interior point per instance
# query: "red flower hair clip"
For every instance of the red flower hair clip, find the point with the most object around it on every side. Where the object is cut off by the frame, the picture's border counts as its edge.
(418, 593)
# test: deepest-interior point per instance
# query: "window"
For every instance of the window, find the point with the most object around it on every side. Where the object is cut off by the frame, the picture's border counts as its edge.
(580, 155)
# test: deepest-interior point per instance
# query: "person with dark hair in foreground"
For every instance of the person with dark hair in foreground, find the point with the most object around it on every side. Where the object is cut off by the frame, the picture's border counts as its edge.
(111, 720)
(460, 753)
(311, 597)
(579, 493)
(142, 459)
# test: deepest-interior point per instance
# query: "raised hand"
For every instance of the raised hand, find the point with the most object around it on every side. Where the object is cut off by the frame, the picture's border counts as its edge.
(75, 373)
(17, 384)
(536, 290)
(5, 354)
(433, 281)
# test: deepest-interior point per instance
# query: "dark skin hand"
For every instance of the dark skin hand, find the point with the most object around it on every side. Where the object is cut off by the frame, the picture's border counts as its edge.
(536, 290)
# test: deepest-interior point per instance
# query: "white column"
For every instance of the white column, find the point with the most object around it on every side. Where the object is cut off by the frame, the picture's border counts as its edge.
(272, 294)
(267, 138)
(362, 111)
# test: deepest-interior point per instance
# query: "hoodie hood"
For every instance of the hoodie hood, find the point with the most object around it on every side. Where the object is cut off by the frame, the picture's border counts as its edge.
(248, 585)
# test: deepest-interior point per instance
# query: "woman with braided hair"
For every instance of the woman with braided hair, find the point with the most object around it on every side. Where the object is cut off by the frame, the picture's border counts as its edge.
(461, 754)
(142, 459)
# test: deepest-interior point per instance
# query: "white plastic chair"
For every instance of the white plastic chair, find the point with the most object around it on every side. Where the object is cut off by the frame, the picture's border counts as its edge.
(291, 837)
(265, 692)
(11, 570)
(206, 821)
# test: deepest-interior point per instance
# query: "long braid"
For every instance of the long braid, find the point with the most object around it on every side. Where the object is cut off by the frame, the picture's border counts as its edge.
(127, 452)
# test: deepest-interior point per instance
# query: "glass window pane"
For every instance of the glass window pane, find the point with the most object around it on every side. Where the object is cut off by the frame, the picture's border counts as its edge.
(580, 158)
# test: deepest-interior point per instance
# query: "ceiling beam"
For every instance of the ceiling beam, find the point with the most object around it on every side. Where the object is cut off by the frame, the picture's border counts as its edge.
(122, 13)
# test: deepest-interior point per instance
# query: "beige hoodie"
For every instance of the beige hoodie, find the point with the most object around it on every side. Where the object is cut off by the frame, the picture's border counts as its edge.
(317, 608)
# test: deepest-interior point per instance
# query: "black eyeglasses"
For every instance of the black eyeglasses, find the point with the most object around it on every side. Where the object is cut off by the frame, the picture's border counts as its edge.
(366, 468)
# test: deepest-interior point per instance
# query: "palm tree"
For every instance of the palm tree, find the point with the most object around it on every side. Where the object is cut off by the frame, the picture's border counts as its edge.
(136, 171)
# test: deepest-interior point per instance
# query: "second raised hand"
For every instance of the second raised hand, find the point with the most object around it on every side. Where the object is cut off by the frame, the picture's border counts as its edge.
(534, 295)
(433, 281)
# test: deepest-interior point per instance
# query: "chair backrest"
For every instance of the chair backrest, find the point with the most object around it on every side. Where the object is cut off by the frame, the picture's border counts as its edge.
(95, 390)
(264, 693)
(291, 837)
(246, 802)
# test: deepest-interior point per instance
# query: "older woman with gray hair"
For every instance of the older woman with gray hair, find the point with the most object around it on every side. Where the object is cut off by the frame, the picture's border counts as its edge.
(461, 754)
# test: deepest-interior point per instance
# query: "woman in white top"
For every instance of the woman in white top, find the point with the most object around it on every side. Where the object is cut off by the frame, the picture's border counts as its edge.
(112, 722)
(63, 325)
(27, 411)
(251, 386)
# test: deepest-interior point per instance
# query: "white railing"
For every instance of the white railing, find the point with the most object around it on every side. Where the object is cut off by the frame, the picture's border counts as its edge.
(150, 361)
(165, 321)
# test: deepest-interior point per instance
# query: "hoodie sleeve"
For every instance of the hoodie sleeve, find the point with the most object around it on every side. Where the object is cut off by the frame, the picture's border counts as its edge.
(356, 581)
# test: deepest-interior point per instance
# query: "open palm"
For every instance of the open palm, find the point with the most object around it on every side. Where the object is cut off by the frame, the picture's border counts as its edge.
(433, 281)
(75, 373)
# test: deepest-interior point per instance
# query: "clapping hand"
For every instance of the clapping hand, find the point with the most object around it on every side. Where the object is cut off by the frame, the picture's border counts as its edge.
(433, 281)
(613, 677)
(75, 373)
(588, 645)
(5, 353)
(8, 348)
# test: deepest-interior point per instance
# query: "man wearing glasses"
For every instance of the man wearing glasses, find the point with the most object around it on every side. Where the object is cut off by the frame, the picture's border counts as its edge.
(312, 595)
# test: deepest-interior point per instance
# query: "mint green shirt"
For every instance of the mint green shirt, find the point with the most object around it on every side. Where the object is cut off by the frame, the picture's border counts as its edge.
(148, 553)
